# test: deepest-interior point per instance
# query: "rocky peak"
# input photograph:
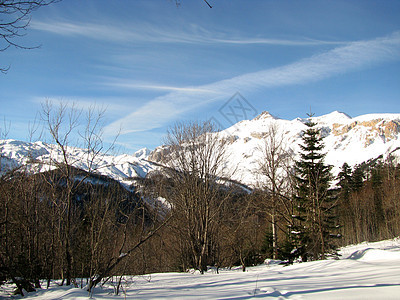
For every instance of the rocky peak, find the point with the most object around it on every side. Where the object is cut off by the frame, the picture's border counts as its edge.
(387, 129)
(264, 115)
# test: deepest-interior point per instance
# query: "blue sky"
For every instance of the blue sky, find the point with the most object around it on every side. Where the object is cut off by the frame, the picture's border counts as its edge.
(151, 63)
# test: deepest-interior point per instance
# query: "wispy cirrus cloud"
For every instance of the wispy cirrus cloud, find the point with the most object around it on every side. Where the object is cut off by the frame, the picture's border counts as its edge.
(88, 30)
(110, 104)
(146, 32)
(277, 42)
(351, 57)
(135, 85)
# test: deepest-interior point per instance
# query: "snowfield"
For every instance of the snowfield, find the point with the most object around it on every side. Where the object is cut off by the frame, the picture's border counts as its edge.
(365, 271)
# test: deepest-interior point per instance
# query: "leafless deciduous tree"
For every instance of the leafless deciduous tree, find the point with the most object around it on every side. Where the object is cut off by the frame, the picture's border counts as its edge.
(63, 124)
(15, 16)
(274, 167)
(197, 168)
(110, 217)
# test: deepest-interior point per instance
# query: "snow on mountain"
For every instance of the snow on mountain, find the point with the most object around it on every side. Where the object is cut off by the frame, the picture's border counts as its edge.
(42, 156)
(351, 140)
(142, 153)
(333, 117)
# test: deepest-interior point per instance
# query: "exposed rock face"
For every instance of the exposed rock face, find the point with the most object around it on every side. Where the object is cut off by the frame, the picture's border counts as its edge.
(159, 155)
(258, 135)
(264, 115)
(385, 129)
(391, 128)
(231, 139)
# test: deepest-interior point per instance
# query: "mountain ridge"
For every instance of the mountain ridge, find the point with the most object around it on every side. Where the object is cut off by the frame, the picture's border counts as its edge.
(351, 140)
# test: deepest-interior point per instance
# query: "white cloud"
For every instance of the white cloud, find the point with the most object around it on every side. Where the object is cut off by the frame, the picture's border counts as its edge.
(277, 42)
(88, 30)
(146, 32)
(353, 56)
(109, 104)
(151, 86)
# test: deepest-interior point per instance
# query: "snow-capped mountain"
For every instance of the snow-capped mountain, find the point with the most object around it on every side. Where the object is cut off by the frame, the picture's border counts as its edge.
(351, 140)
(41, 157)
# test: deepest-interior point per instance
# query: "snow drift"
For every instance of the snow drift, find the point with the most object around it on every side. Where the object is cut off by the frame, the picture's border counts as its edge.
(365, 271)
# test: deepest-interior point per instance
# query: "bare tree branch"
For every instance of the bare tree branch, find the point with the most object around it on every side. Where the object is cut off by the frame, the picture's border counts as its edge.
(15, 17)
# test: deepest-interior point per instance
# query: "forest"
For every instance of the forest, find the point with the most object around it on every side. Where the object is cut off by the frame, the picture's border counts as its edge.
(82, 228)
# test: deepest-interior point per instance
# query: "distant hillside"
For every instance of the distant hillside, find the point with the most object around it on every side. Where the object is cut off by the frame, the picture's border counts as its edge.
(351, 140)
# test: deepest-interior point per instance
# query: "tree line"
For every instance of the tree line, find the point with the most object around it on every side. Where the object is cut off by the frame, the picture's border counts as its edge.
(61, 223)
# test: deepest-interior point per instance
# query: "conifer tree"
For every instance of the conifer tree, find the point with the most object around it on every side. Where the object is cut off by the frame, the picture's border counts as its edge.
(357, 178)
(314, 200)
(345, 182)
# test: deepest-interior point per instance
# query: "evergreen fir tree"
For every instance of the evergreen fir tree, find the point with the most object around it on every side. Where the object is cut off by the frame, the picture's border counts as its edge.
(357, 178)
(315, 201)
(345, 185)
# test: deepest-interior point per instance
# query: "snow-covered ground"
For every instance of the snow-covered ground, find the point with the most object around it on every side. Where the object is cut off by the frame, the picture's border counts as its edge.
(365, 271)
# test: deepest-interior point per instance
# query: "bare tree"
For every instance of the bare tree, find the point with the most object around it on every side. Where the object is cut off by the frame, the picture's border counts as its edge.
(274, 168)
(15, 16)
(21, 226)
(196, 167)
(64, 123)
(243, 229)
(107, 220)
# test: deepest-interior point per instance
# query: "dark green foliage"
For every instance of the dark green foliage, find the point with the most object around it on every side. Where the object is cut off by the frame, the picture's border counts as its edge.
(267, 248)
(285, 252)
(315, 218)
(345, 182)
(252, 258)
(357, 178)
(285, 248)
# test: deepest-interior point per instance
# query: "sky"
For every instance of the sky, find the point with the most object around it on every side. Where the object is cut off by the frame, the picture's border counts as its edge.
(150, 64)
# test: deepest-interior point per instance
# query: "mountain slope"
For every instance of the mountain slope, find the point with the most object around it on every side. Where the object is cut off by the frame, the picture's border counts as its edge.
(42, 156)
(351, 140)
